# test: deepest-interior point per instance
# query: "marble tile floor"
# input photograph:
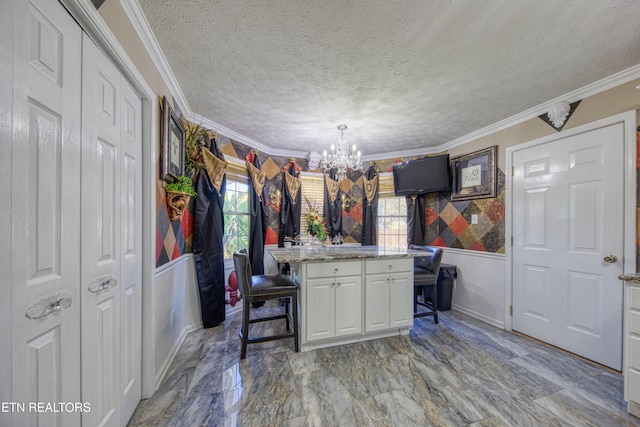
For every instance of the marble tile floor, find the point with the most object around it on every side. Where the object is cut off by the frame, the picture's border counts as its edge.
(461, 372)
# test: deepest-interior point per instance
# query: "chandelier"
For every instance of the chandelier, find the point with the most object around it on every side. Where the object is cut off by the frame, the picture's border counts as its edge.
(341, 157)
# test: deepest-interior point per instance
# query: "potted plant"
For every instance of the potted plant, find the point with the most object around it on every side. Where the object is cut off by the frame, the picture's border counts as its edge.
(178, 195)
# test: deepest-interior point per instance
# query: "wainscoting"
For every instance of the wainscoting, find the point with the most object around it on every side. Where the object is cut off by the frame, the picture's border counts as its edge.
(479, 290)
(174, 311)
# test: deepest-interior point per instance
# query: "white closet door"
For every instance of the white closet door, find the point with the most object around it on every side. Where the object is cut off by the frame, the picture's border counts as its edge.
(131, 253)
(45, 216)
(111, 244)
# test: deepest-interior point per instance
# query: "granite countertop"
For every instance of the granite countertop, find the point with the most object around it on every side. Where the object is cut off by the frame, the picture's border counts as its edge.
(338, 253)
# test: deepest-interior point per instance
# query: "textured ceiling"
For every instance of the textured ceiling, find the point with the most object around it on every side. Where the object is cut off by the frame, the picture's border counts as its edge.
(401, 73)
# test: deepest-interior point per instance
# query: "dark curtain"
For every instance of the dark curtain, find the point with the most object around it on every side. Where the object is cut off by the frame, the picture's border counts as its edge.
(369, 236)
(415, 220)
(208, 230)
(332, 207)
(258, 212)
(291, 207)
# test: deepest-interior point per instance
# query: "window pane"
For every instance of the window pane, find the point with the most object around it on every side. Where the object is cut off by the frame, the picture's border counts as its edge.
(242, 202)
(236, 218)
(392, 222)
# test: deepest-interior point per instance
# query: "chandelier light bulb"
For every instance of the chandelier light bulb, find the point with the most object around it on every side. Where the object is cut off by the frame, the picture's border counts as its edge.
(340, 157)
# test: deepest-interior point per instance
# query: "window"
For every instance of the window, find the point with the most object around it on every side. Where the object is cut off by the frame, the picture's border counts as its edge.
(236, 217)
(313, 192)
(392, 222)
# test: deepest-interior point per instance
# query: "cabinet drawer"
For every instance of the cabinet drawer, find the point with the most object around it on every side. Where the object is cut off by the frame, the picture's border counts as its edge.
(389, 265)
(333, 269)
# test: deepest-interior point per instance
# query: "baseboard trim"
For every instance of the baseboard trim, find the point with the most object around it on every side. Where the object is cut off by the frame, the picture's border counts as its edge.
(479, 316)
(164, 369)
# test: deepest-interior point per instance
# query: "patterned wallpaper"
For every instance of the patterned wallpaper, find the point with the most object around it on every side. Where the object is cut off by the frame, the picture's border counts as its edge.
(448, 223)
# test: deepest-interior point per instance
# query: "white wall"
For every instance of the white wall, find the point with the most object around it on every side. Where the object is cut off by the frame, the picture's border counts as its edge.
(480, 287)
(176, 312)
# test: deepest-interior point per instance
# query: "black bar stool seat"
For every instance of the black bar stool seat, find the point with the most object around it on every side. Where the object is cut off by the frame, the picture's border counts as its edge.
(425, 274)
(265, 287)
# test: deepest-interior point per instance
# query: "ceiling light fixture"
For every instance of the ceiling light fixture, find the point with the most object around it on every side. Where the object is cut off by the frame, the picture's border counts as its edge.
(341, 158)
(558, 113)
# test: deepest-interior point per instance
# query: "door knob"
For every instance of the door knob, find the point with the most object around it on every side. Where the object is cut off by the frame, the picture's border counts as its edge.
(611, 259)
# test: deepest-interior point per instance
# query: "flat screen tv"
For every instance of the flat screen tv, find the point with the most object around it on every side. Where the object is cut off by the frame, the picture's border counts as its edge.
(422, 176)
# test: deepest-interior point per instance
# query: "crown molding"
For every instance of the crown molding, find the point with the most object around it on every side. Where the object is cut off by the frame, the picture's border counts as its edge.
(141, 25)
(620, 78)
(150, 43)
(210, 124)
(143, 29)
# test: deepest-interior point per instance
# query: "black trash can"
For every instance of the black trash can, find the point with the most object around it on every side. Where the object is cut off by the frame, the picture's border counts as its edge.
(448, 274)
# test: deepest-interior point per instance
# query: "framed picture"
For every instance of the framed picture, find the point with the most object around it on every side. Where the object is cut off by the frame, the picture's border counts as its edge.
(172, 144)
(474, 175)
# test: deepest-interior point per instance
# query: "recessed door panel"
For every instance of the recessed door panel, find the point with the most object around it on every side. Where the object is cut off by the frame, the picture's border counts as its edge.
(585, 310)
(585, 215)
(45, 52)
(45, 194)
(536, 291)
(535, 220)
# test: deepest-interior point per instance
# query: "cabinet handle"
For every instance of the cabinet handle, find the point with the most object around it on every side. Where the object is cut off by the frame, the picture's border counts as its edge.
(387, 280)
(102, 283)
(338, 283)
(390, 267)
(393, 281)
(50, 304)
(335, 270)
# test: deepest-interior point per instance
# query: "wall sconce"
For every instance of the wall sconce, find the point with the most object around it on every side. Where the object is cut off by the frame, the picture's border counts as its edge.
(558, 113)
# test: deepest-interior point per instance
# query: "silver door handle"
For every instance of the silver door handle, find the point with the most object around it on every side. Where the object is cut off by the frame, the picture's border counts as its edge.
(611, 259)
(102, 283)
(49, 304)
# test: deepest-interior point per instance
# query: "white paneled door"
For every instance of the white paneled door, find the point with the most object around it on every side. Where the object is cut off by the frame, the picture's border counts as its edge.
(111, 241)
(45, 216)
(568, 243)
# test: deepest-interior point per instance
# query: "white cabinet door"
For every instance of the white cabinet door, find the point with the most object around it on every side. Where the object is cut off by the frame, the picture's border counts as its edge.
(388, 301)
(321, 309)
(401, 300)
(348, 305)
(45, 203)
(376, 306)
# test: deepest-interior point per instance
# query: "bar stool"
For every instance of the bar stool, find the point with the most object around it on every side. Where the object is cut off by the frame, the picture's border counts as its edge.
(425, 273)
(262, 288)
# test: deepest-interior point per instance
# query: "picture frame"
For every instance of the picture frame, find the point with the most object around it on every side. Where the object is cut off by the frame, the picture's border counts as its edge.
(474, 175)
(172, 137)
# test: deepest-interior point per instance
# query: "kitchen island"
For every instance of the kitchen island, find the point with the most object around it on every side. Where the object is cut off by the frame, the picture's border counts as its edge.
(350, 293)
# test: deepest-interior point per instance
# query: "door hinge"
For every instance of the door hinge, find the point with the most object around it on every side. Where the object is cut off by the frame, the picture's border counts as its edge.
(512, 171)
(511, 240)
(511, 310)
